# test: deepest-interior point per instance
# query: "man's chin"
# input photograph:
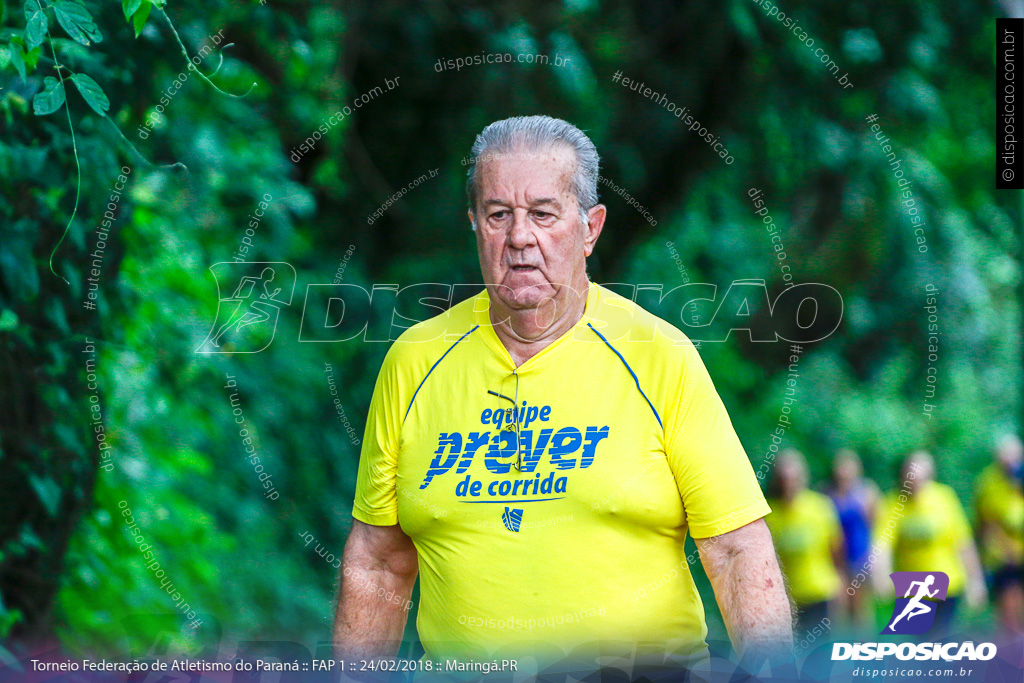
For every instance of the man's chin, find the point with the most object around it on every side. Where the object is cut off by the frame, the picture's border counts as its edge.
(519, 295)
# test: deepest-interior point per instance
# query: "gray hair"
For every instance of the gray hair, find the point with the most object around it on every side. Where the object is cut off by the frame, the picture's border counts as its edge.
(509, 137)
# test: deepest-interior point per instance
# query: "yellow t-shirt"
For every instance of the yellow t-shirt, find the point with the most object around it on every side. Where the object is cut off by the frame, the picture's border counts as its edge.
(926, 532)
(625, 444)
(1000, 501)
(804, 533)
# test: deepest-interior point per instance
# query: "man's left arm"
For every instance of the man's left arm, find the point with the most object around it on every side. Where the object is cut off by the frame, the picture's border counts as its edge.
(750, 591)
(975, 592)
(725, 511)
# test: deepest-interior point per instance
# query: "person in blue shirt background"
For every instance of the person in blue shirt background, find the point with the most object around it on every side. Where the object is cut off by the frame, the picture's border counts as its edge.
(856, 500)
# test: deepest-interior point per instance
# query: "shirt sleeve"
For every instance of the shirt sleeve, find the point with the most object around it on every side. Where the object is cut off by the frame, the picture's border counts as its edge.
(986, 500)
(376, 498)
(961, 528)
(887, 505)
(716, 482)
(835, 528)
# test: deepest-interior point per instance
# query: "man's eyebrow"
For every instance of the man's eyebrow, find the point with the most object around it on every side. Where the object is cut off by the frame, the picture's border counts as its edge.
(545, 200)
(540, 201)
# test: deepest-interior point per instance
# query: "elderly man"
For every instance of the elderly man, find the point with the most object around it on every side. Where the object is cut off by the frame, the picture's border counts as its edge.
(539, 453)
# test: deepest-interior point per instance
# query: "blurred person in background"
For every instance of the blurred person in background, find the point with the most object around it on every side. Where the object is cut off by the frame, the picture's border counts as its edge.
(808, 539)
(999, 504)
(922, 528)
(856, 501)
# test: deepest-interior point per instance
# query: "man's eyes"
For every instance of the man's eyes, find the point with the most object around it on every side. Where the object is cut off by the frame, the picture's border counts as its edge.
(536, 215)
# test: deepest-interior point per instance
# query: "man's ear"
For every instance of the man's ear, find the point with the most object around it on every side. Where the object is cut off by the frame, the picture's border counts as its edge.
(595, 223)
(472, 219)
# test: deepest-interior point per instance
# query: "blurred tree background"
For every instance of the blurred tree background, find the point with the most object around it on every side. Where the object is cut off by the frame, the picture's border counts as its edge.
(68, 567)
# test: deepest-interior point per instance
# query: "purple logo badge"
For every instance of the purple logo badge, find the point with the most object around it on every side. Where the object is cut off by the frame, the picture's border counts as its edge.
(914, 612)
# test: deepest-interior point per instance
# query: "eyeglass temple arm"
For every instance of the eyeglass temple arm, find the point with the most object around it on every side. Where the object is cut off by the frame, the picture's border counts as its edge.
(495, 393)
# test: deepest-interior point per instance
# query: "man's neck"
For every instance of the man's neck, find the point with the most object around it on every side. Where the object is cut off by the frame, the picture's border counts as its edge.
(526, 332)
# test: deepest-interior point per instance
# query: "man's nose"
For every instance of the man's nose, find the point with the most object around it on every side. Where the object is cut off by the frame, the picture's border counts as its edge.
(520, 234)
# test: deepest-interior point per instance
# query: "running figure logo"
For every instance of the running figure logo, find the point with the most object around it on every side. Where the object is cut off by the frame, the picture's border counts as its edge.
(247, 319)
(914, 613)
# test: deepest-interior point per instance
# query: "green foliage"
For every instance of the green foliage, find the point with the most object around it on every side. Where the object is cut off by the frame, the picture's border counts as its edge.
(36, 25)
(50, 98)
(92, 93)
(77, 21)
(130, 7)
(139, 17)
(137, 11)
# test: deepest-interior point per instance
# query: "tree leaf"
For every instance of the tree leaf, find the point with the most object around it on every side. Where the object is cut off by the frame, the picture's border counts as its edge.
(130, 7)
(36, 24)
(140, 16)
(50, 99)
(8, 320)
(32, 58)
(48, 491)
(18, 59)
(92, 93)
(77, 21)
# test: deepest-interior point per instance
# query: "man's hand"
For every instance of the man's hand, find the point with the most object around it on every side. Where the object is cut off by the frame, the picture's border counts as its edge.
(750, 591)
(379, 561)
(975, 592)
(880, 573)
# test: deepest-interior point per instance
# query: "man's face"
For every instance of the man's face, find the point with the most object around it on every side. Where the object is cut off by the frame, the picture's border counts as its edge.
(791, 475)
(1009, 453)
(922, 473)
(530, 240)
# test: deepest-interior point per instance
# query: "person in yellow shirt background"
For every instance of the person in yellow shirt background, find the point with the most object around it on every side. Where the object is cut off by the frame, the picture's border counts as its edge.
(999, 506)
(921, 527)
(808, 539)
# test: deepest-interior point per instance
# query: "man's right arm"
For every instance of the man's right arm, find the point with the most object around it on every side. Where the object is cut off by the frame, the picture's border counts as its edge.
(367, 624)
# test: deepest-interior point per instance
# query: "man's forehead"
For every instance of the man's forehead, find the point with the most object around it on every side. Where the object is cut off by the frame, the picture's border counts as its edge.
(534, 173)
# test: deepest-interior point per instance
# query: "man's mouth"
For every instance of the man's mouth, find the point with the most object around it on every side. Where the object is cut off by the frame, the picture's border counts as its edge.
(523, 268)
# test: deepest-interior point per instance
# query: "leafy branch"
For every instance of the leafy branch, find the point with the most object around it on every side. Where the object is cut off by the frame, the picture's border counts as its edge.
(78, 24)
